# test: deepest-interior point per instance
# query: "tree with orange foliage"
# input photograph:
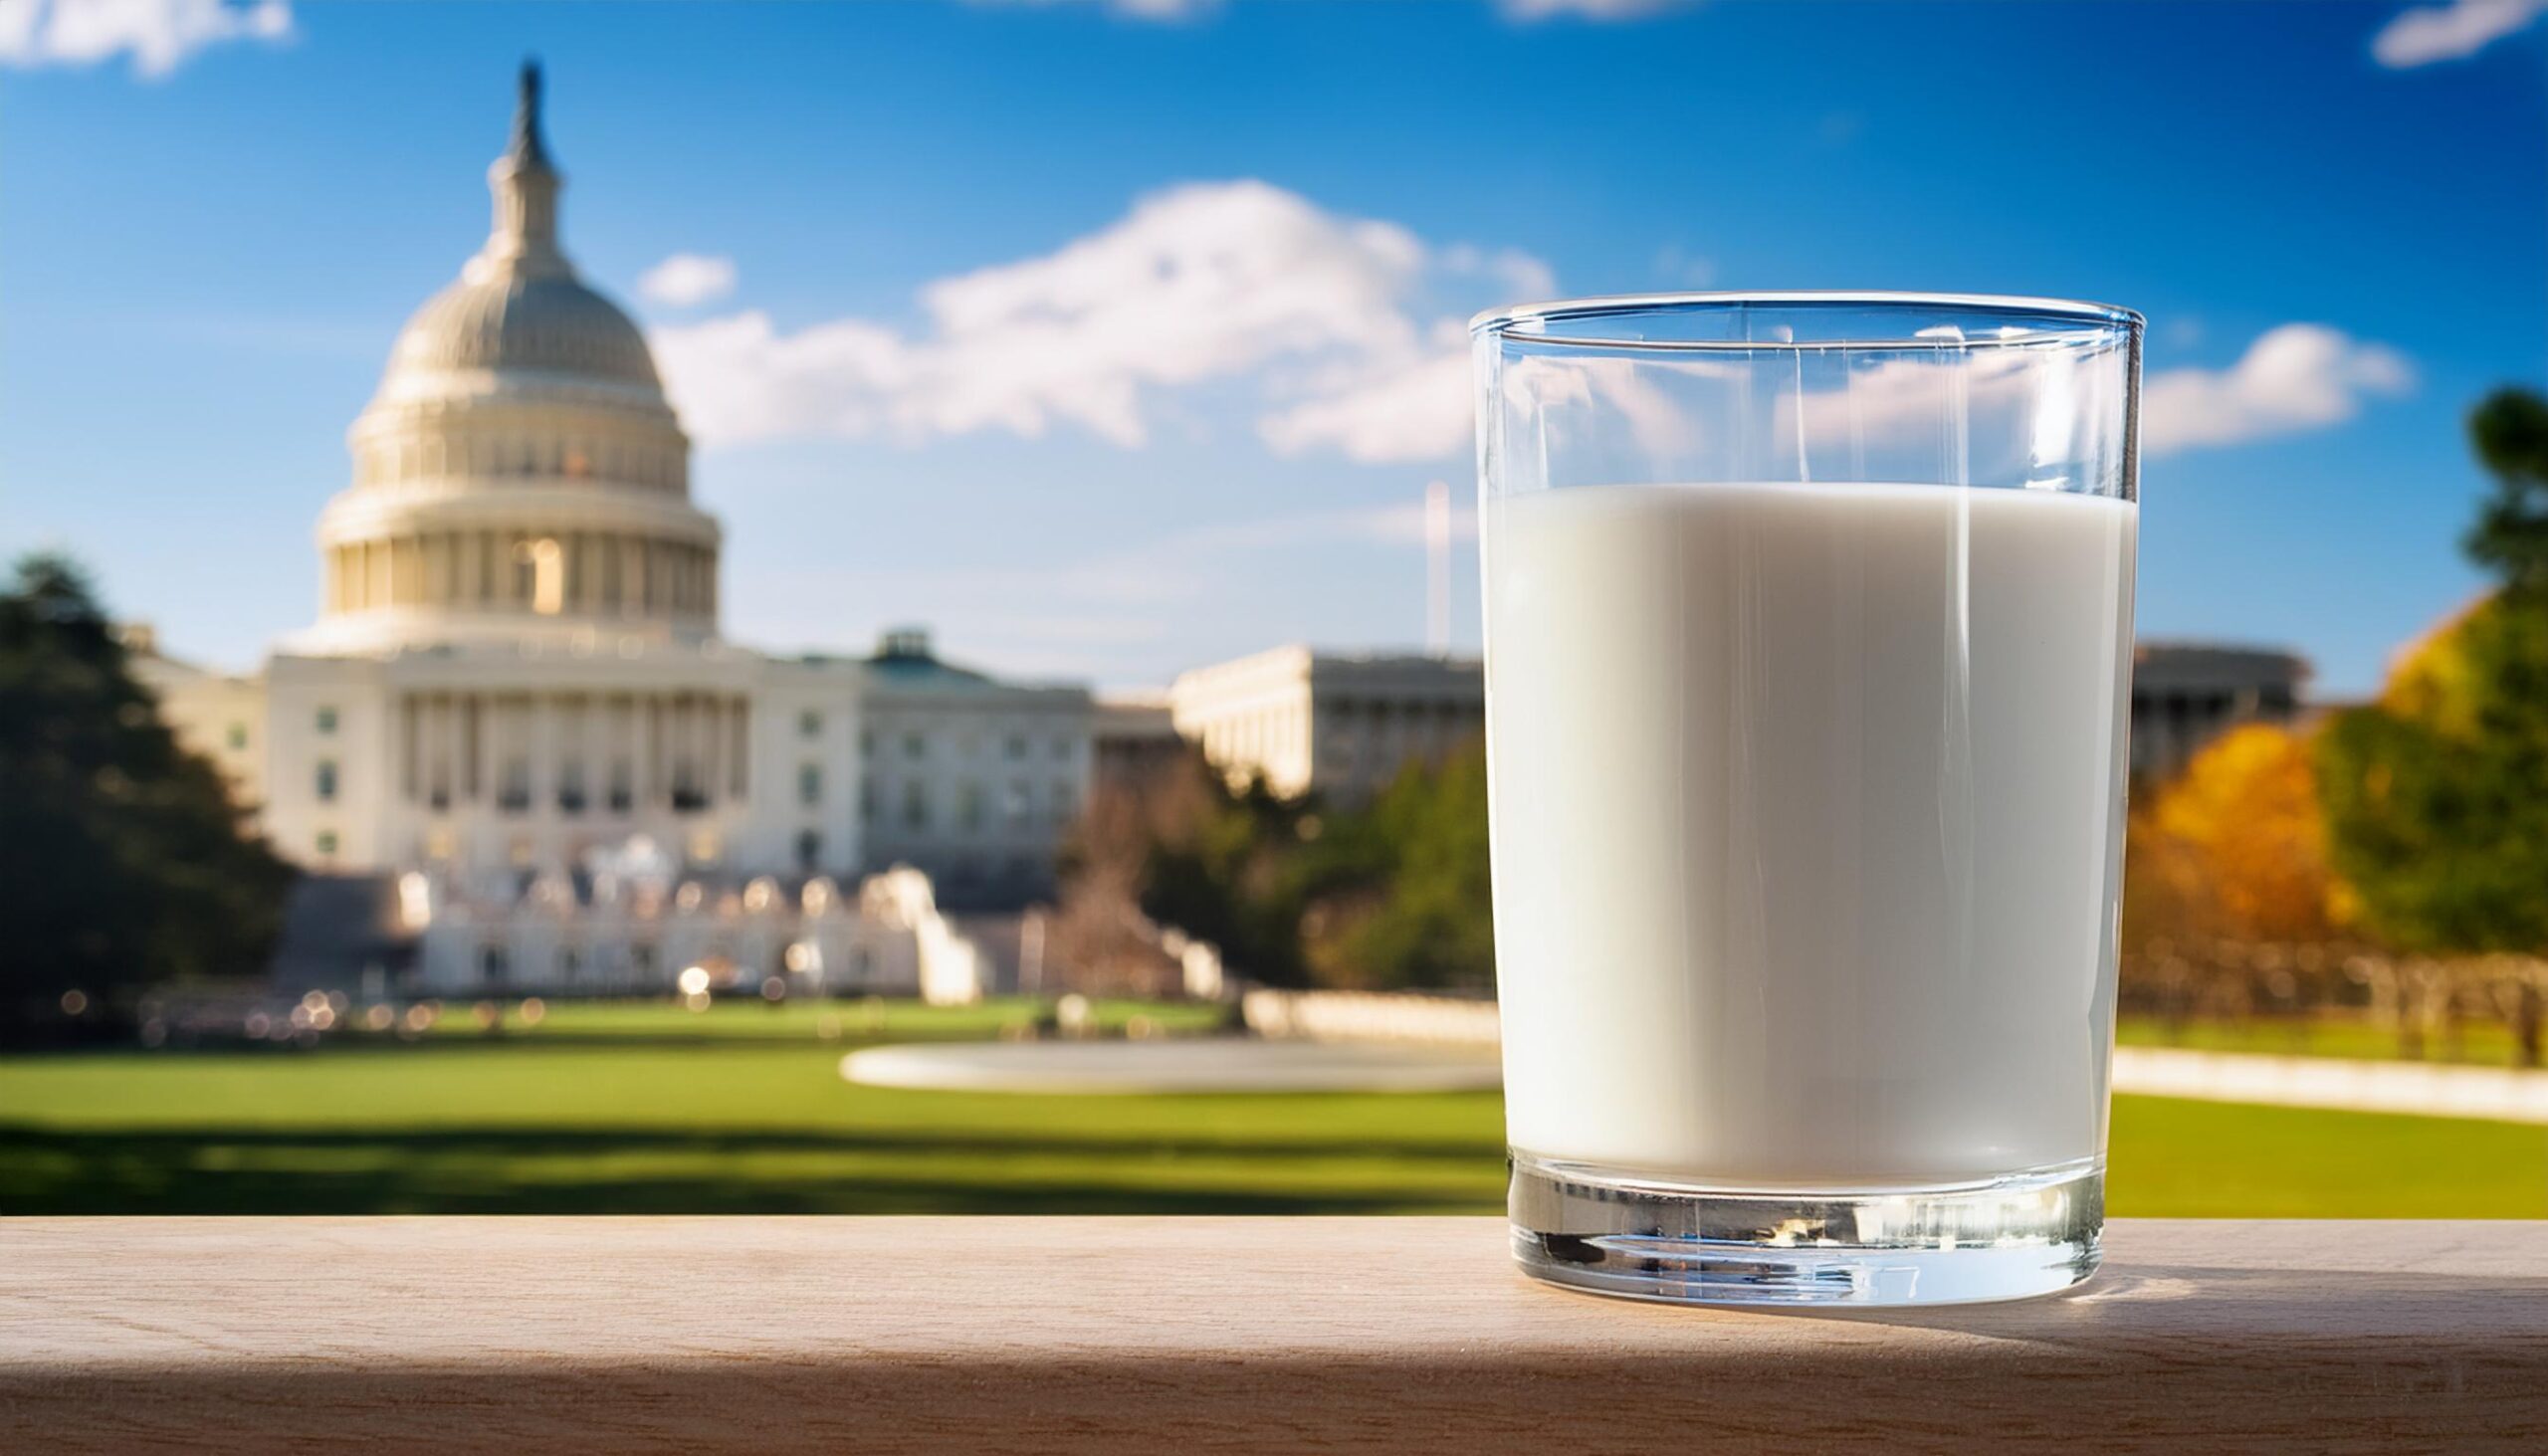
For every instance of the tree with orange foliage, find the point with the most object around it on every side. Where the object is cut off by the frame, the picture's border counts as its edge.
(2228, 894)
(2246, 824)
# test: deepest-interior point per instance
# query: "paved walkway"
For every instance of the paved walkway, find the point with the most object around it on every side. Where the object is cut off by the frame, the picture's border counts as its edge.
(2424, 1088)
(1242, 1064)
(1202, 1064)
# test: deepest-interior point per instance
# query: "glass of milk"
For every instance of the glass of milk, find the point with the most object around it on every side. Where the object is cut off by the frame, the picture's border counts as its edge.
(1809, 626)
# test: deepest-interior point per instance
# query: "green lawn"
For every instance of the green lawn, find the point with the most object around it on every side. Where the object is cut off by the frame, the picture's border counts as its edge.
(648, 1109)
(2354, 1037)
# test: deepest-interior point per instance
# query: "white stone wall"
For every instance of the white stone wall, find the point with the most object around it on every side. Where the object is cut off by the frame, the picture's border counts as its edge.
(975, 785)
(1343, 727)
(484, 762)
(218, 717)
(637, 941)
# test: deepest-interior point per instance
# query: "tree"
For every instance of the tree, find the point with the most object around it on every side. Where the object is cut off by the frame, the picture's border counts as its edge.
(2510, 432)
(2245, 814)
(2436, 795)
(122, 861)
(1396, 896)
(1294, 892)
(2228, 898)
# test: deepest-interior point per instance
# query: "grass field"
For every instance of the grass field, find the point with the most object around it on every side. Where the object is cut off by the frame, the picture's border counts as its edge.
(648, 1109)
(2355, 1038)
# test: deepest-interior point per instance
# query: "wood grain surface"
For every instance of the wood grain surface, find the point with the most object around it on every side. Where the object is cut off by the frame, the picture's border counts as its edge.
(1198, 1335)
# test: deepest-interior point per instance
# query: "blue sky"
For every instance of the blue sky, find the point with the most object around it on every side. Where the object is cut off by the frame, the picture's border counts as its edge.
(927, 392)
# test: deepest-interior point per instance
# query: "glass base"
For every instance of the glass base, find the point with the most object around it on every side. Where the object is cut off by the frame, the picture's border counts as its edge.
(2030, 1233)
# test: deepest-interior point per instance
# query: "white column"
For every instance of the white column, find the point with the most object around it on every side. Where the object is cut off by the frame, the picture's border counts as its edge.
(633, 731)
(410, 747)
(543, 757)
(449, 707)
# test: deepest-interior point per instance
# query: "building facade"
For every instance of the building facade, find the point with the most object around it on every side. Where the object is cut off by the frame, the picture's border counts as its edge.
(516, 707)
(2184, 694)
(1342, 726)
(972, 781)
(1135, 740)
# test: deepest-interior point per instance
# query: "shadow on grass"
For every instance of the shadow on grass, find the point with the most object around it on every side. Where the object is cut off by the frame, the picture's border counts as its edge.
(225, 1170)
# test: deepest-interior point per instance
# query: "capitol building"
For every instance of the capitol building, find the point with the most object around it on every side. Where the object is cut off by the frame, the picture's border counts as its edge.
(515, 725)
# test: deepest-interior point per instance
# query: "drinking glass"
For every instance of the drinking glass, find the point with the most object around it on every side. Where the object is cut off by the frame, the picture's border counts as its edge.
(1809, 626)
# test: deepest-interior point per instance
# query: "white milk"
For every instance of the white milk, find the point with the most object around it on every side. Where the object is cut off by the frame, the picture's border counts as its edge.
(1807, 807)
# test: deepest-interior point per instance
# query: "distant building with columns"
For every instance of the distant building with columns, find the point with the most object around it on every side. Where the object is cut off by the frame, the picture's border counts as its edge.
(970, 779)
(515, 703)
(1344, 726)
(1337, 725)
(1136, 739)
(2186, 694)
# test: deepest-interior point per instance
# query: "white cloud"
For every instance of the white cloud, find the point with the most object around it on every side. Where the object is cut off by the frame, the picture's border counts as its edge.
(1408, 406)
(1527, 11)
(687, 279)
(158, 34)
(2300, 376)
(2452, 31)
(1521, 276)
(1203, 283)
(1523, 11)
(1156, 10)
(1679, 268)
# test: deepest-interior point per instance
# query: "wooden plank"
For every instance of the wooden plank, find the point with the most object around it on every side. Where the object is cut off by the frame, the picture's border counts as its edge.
(894, 1335)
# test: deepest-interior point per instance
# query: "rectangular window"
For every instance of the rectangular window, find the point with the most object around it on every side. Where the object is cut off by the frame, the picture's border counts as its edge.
(1061, 748)
(809, 725)
(327, 720)
(327, 841)
(570, 786)
(238, 736)
(968, 805)
(688, 795)
(325, 784)
(1065, 800)
(866, 799)
(1021, 802)
(915, 805)
(515, 794)
(809, 783)
(914, 746)
(1016, 746)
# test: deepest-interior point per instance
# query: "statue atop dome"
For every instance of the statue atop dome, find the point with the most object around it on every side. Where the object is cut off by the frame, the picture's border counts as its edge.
(529, 148)
(526, 183)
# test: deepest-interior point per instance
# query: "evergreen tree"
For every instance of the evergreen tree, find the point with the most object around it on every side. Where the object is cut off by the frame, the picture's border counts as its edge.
(122, 861)
(2437, 795)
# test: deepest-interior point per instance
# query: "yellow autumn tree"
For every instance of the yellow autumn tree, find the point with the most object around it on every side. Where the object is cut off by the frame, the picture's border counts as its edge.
(2238, 845)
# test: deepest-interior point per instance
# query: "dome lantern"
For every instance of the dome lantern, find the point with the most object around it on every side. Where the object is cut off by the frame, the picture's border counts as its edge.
(526, 184)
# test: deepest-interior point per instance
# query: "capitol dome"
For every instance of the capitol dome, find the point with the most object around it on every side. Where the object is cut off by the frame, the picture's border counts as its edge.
(510, 320)
(519, 473)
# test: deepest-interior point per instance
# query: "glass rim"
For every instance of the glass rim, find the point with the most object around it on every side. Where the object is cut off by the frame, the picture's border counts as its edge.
(2082, 318)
